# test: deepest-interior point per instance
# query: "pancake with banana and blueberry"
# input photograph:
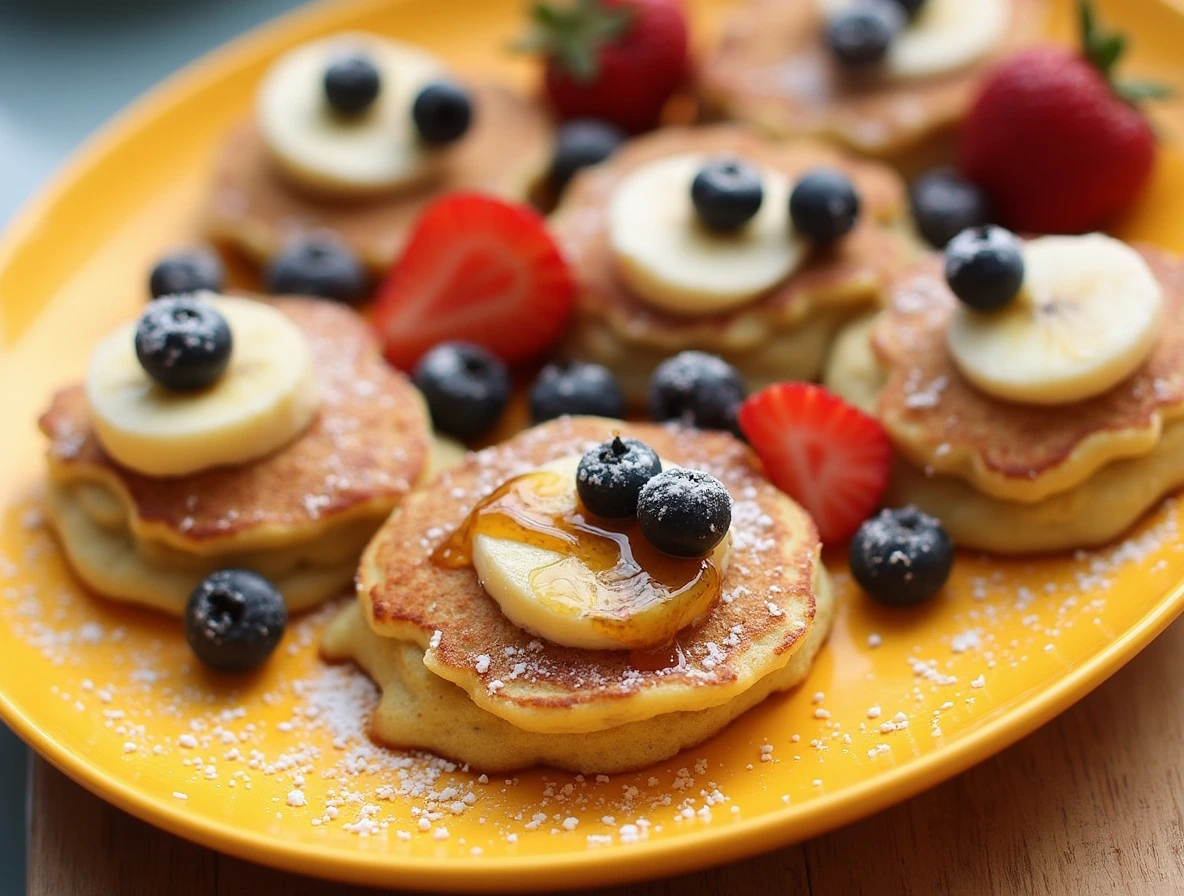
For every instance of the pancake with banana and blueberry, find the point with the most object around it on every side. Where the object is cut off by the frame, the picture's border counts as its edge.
(591, 594)
(1034, 390)
(225, 432)
(718, 240)
(354, 134)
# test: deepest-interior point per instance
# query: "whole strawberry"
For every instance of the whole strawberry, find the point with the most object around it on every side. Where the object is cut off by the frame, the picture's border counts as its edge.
(1056, 140)
(616, 60)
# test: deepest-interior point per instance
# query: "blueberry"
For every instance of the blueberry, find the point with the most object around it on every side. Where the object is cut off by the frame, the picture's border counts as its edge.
(684, 513)
(188, 270)
(574, 387)
(466, 388)
(985, 267)
(234, 619)
(442, 113)
(183, 343)
(697, 389)
(727, 194)
(901, 556)
(580, 143)
(861, 36)
(352, 83)
(824, 205)
(318, 266)
(945, 203)
(611, 476)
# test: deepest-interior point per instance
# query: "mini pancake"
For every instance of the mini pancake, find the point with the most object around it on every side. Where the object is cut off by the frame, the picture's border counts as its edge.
(765, 613)
(773, 69)
(255, 208)
(783, 334)
(302, 513)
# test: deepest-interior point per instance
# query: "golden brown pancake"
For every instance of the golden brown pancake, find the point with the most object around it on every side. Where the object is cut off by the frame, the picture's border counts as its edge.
(255, 208)
(766, 611)
(772, 69)
(616, 327)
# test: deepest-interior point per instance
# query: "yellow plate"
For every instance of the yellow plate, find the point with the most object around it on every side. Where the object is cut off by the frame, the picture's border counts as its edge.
(112, 697)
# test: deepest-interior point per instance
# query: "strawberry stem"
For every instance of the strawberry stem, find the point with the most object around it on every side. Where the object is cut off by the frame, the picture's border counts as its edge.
(1104, 48)
(572, 34)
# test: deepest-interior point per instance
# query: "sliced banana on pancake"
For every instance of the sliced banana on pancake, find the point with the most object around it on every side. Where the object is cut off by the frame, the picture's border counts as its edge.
(671, 261)
(266, 397)
(375, 151)
(1086, 318)
(563, 599)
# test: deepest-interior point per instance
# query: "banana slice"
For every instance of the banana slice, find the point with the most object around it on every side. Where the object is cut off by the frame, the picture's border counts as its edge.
(1086, 318)
(670, 260)
(266, 397)
(944, 36)
(562, 599)
(375, 152)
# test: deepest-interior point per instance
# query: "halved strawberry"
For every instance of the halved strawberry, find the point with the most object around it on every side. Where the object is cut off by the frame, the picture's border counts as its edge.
(477, 269)
(830, 457)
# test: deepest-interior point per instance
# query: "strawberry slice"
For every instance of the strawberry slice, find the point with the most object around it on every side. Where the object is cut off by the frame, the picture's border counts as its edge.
(476, 269)
(830, 457)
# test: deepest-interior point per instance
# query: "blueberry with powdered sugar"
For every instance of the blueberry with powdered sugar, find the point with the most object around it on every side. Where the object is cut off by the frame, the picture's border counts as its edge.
(575, 387)
(611, 476)
(684, 513)
(183, 343)
(697, 389)
(901, 556)
(234, 620)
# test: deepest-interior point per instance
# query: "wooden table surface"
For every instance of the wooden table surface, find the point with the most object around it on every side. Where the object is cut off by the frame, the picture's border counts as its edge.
(1093, 803)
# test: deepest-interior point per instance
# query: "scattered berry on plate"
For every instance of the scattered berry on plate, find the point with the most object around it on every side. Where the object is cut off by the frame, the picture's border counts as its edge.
(465, 386)
(611, 476)
(824, 205)
(579, 144)
(352, 83)
(901, 556)
(615, 60)
(727, 194)
(187, 270)
(480, 270)
(442, 112)
(234, 620)
(696, 389)
(827, 455)
(862, 34)
(183, 343)
(1056, 139)
(318, 266)
(985, 267)
(945, 203)
(684, 513)
(575, 387)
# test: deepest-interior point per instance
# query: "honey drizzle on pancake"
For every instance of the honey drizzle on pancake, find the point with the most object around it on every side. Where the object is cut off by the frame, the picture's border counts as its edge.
(630, 573)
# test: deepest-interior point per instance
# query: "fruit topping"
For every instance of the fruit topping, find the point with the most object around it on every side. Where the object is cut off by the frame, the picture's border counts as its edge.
(861, 35)
(183, 343)
(199, 269)
(616, 60)
(575, 387)
(945, 203)
(352, 83)
(480, 270)
(901, 556)
(442, 113)
(234, 620)
(827, 455)
(580, 144)
(696, 389)
(824, 205)
(611, 476)
(985, 267)
(727, 194)
(318, 265)
(684, 513)
(465, 386)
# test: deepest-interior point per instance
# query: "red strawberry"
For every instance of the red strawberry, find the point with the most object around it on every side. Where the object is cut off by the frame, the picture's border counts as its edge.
(616, 60)
(828, 456)
(1055, 141)
(477, 269)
